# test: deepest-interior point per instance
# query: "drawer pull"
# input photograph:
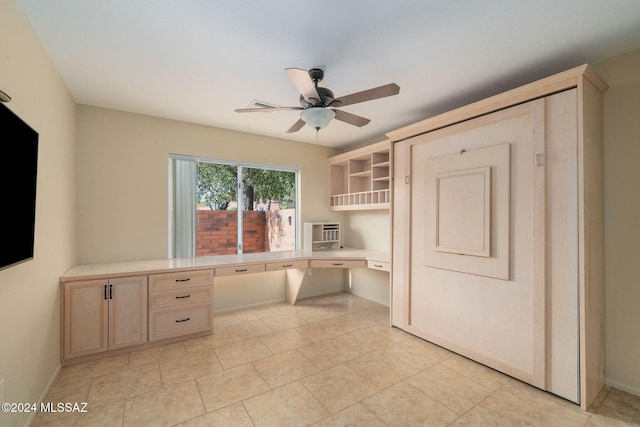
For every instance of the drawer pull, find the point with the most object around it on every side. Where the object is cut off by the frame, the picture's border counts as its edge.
(182, 296)
(287, 265)
(241, 270)
(377, 265)
(336, 263)
(183, 280)
(183, 320)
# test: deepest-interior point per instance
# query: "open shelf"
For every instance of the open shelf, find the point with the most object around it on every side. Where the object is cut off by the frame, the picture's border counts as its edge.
(361, 179)
(321, 235)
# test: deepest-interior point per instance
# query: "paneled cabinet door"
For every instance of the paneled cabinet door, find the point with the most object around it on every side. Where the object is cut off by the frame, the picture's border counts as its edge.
(86, 318)
(103, 315)
(127, 312)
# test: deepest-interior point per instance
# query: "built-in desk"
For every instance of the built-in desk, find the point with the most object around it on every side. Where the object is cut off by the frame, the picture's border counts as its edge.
(295, 263)
(110, 308)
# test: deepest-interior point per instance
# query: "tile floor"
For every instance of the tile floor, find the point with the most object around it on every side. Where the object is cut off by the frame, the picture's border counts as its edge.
(328, 361)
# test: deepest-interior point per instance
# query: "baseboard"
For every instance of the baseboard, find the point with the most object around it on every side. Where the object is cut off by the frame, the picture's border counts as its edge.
(45, 392)
(623, 387)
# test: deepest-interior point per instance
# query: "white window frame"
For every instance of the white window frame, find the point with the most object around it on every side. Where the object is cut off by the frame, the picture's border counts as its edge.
(240, 166)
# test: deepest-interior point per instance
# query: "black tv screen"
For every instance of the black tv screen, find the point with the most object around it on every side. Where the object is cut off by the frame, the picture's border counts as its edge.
(19, 148)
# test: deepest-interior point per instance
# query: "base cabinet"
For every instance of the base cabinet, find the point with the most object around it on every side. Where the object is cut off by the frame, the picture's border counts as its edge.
(180, 304)
(104, 315)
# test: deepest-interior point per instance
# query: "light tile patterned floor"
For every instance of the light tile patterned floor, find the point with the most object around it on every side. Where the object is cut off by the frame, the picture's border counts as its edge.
(328, 361)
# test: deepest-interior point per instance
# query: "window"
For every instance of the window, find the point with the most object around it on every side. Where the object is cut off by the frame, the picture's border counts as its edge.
(219, 208)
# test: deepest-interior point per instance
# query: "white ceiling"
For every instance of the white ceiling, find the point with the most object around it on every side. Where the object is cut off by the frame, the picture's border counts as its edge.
(198, 60)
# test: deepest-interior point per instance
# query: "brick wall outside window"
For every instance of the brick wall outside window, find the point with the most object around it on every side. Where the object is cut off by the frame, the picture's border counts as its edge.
(264, 231)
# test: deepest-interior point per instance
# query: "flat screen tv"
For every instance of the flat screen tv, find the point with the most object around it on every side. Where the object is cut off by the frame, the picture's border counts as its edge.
(18, 173)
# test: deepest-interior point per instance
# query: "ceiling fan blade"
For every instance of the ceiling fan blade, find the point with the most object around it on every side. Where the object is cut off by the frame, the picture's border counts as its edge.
(266, 109)
(352, 119)
(302, 81)
(367, 95)
(296, 126)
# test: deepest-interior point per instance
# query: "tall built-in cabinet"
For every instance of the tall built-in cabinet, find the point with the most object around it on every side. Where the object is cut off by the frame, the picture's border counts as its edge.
(361, 178)
(498, 232)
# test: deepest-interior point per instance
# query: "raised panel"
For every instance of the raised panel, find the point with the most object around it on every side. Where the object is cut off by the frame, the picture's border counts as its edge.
(277, 266)
(463, 212)
(170, 323)
(482, 307)
(127, 312)
(181, 297)
(467, 198)
(337, 263)
(169, 281)
(86, 318)
(239, 269)
(379, 265)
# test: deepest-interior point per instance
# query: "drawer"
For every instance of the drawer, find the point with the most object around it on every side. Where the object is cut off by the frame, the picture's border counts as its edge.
(286, 265)
(379, 265)
(240, 269)
(171, 323)
(174, 281)
(180, 297)
(337, 263)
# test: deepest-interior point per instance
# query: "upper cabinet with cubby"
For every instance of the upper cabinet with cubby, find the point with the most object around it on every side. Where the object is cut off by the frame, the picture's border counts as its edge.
(360, 179)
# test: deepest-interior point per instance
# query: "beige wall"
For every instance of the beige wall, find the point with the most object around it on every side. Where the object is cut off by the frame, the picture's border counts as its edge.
(29, 296)
(123, 177)
(622, 215)
(370, 230)
(123, 191)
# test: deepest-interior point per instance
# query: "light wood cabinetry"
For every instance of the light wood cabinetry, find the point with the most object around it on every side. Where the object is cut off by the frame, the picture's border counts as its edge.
(287, 265)
(321, 236)
(180, 304)
(361, 179)
(238, 270)
(104, 315)
(113, 308)
(510, 274)
(337, 263)
(379, 265)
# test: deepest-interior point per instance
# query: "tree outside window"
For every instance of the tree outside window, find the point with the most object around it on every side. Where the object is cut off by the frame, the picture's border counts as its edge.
(239, 208)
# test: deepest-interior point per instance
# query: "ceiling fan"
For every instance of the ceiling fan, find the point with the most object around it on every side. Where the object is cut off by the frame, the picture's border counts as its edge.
(318, 104)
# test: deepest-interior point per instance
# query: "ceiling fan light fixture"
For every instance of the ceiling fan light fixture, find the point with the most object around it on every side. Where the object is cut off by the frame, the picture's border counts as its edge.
(317, 117)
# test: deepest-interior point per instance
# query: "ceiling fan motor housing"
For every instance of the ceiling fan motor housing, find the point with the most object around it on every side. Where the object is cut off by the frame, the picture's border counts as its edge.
(316, 74)
(326, 97)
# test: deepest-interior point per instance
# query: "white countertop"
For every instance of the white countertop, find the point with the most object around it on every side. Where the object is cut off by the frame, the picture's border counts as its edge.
(152, 266)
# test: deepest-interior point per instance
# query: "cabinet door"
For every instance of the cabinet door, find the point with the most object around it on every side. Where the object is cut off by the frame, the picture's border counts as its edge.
(85, 318)
(473, 258)
(127, 312)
